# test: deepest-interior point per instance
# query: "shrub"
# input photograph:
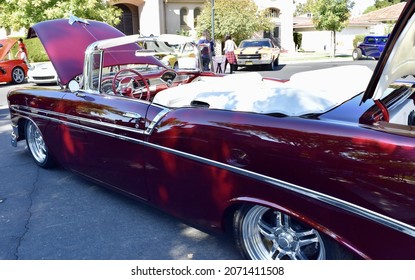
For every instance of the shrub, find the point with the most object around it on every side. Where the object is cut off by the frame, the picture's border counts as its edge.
(358, 39)
(298, 38)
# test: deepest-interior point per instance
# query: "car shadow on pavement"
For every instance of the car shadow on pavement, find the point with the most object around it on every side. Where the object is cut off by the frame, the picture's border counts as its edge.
(259, 68)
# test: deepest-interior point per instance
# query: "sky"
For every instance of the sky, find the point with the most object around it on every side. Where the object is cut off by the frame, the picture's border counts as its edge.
(361, 5)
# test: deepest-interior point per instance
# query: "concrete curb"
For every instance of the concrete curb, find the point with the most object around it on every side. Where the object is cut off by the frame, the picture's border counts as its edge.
(300, 57)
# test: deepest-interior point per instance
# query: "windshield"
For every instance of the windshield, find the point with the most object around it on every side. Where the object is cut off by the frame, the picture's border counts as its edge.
(180, 53)
(247, 44)
(103, 65)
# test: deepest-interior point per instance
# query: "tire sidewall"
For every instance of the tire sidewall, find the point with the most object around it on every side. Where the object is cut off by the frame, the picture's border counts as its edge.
(333, 250)
(48, 161)
(357, 54)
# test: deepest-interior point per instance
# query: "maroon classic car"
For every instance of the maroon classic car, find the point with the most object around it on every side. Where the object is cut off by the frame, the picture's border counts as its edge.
(318, 167)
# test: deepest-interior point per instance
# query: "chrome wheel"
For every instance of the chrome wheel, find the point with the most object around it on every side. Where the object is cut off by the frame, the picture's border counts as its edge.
(18, 75)
(266, 234)
(36, 145)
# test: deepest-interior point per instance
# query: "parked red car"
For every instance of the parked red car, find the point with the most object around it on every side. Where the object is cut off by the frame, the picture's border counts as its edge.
(318, 167)
(11, 70)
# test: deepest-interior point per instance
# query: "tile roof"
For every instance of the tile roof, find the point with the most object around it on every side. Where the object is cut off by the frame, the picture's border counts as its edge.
(390, 13)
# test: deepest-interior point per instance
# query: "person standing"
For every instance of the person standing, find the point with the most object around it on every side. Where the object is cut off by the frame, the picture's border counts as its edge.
(229, 50)
(23, 46)
(207, 49)
(21, 54)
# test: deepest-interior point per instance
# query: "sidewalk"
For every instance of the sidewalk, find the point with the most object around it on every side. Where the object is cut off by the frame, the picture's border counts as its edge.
(298, 57)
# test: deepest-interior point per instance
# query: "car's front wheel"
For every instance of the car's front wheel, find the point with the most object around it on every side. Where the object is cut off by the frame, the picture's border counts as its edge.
(271, 66)
(262, 233)
(357, 54)
(37, 146)
(18, 75)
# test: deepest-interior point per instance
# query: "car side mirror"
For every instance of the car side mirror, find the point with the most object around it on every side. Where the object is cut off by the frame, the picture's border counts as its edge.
(73, 86)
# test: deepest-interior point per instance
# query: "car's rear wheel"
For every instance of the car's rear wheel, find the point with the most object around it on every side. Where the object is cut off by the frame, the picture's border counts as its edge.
(37, 146)
(357, 54)
(18, 75)
(262, 233)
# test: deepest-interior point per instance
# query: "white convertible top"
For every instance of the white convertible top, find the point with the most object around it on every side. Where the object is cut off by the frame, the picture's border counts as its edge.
(307, 92)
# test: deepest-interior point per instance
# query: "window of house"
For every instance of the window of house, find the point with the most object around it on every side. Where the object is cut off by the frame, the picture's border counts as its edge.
(273, 13)
(183, 16)
(196, 13)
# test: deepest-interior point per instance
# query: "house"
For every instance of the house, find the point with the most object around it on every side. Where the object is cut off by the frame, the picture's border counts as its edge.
(379, 22)
(156, 17)
(173, 16)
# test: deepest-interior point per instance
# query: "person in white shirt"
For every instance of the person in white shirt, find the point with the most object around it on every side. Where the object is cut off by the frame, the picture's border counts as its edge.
(229, 50)
(22, 55)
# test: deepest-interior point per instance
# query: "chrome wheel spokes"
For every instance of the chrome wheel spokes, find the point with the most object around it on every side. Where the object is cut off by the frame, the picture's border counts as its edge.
(18, 76)
(36, 143)
(270, 234)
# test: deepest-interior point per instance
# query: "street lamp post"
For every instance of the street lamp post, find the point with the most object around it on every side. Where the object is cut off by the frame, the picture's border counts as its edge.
(213, 19)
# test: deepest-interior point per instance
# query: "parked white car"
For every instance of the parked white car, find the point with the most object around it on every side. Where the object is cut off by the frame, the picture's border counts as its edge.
(42, 73)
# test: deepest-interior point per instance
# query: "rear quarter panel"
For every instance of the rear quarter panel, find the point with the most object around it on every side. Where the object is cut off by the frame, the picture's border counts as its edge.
(213, 161)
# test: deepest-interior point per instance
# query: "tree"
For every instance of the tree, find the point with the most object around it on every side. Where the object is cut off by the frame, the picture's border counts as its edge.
(239, 18)
(379, 4)
(302, 8)
(331, 15)
(17, 14)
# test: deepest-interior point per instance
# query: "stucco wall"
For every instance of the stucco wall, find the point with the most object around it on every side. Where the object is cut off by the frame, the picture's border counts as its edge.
(314, 40)
(172, 12)
(285, 21)
(151, 15)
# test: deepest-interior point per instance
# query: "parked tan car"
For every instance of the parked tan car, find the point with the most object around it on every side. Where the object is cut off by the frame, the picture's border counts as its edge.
(168, 48)
(262, 52)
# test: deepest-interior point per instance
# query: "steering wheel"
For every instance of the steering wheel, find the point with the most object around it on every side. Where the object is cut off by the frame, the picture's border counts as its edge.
(106, 86)
(129, 90)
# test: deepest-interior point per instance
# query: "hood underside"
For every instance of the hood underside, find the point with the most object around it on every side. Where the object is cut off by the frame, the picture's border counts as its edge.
(65, 42)
(5, 46)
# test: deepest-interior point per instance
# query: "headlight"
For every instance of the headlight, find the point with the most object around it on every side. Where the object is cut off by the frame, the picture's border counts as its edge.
(266, 56)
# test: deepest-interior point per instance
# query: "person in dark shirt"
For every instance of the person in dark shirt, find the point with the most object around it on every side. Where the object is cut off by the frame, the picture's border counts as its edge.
(207, 49)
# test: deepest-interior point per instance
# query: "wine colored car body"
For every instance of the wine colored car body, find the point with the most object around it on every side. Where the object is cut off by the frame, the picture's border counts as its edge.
(317, 167)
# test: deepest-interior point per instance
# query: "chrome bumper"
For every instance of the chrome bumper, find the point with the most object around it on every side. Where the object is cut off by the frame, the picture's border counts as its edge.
(15, 135)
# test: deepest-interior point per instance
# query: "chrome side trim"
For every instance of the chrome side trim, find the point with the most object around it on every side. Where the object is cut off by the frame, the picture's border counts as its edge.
(154, 122)
(46, 113)
(336, 202)
(330, 200)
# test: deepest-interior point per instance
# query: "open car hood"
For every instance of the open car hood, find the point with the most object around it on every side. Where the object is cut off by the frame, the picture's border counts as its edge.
(398, 58)
(5, 46)
(65, 42)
